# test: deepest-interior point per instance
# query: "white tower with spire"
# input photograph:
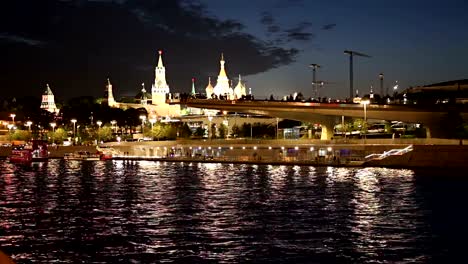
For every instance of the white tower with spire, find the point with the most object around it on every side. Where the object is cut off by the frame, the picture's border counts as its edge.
(48, 101)
(110, 95)
(160, 87)
(222, 85)
(144, 99)
(193, 92)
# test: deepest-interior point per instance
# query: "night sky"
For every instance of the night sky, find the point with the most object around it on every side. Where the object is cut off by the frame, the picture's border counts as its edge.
(75, 45)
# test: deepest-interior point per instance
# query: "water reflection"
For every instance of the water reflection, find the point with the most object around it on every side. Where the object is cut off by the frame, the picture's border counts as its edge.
(148, 212)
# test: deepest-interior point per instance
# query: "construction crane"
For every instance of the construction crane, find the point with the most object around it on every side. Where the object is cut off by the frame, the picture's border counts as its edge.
(320, 84)
(351, 54)
(314, 67)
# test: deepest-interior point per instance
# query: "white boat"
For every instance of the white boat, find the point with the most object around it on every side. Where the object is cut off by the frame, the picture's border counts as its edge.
(81, 155)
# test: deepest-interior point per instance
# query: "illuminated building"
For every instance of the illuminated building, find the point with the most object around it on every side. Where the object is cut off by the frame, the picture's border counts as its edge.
(48, 101)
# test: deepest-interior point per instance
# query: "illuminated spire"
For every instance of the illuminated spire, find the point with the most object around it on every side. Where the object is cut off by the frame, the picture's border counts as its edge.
(239, 91)
(48, 91)
(193, 86)
(160, 62)
(110, 95)
(209, 89)
(222, 84)
(159, 88)
(222, 71)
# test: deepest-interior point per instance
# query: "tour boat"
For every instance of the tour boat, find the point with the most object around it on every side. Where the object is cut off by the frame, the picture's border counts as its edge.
(34, 151)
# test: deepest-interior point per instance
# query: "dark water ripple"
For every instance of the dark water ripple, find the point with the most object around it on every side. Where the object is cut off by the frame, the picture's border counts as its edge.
(150, 212)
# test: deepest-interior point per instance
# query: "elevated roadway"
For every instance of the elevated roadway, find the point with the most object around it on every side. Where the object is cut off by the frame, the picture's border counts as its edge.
(329, 114)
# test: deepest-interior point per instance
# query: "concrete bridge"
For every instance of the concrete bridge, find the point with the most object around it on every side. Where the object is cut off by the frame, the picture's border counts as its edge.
(329, 114)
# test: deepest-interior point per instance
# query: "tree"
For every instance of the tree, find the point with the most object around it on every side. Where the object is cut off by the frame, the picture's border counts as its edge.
(235, 131)
(199, 132)
(105, 133)
(223, 131)
(184, 131)
(60, 135)
(22, 135)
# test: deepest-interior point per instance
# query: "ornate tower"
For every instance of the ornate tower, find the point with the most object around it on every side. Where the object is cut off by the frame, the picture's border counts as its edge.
(209, 89)
(48, 101)
(222, 85)
(160, 87)
(239, 91)
(110, 95)
(144, 98)
(193, 87)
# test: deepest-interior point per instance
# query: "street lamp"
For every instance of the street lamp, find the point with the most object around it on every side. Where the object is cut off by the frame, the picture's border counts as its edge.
(209, 126)
(365, 103)
(74, 126)
(152, 121)
(277, 128)
(28, 124)
(113, 123)
(99, 123)
(143, 119)
(53, 132)
(13, 117)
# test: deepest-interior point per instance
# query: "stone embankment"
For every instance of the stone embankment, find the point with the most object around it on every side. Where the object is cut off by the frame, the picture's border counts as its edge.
(427, 156)
(293, 152)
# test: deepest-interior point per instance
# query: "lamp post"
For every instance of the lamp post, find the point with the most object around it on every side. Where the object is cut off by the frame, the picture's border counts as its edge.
(209, 126)
(365, 103)
(152, 121)
(74, 127)
(277, 128)
(381, 76)
(99, 123)
(53, 132)
(113, 123)
(13, 117)
(28, 124)
(143, 119)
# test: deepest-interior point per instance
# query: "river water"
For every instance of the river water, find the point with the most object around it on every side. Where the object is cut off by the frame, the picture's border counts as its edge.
(160, 212)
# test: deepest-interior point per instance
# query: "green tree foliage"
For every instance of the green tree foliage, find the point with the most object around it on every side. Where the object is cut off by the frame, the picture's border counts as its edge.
(162, 131)
(222, 131)
(184, 131)
(22, 135)
(105, 134)
(61, 134)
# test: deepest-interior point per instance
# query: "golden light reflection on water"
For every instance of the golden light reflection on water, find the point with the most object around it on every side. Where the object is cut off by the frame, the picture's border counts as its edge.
(209, 211)
(371, 212)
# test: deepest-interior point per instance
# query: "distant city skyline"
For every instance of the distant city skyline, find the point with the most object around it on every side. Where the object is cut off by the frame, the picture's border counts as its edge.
(76, 45)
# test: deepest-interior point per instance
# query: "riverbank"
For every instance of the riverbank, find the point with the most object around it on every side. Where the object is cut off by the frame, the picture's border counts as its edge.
(282, 152)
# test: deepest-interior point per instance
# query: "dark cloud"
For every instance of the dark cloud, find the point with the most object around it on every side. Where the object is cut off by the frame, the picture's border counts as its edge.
(22, 40)
(266, 18)
(328, 26)
(299, 32)
(84, 42)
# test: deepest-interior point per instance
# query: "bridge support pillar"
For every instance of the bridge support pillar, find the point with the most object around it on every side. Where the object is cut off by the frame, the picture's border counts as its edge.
(327, 128)
(443, 126)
